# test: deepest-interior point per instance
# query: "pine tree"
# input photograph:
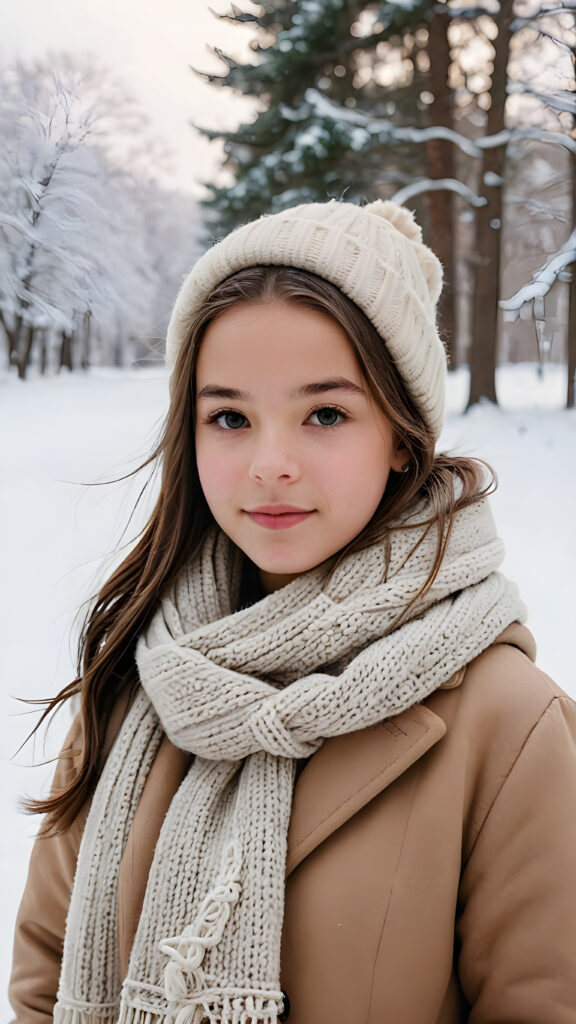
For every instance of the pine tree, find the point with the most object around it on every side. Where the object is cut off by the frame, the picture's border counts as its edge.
(291, 152)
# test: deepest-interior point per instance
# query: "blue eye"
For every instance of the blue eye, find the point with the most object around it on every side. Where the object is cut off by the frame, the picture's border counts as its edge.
(232, 420)
(328, 416)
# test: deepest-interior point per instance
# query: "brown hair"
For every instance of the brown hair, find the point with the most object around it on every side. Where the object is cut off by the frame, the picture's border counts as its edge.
(176, 528)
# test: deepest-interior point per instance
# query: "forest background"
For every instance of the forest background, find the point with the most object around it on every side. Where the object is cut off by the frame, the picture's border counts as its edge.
(464, 112)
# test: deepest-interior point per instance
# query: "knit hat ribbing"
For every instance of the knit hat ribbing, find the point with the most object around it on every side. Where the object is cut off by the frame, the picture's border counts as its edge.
(374, 254)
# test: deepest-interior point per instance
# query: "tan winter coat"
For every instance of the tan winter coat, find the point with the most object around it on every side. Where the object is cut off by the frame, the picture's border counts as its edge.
(431, 875)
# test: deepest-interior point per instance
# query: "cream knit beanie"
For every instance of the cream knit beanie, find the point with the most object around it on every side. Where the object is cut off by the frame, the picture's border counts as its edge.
(373, 253)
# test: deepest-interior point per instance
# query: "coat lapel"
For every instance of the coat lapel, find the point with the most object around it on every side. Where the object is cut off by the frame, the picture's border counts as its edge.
(349, 770)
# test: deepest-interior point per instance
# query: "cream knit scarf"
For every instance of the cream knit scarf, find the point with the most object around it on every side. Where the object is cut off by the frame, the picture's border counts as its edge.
(249, 693)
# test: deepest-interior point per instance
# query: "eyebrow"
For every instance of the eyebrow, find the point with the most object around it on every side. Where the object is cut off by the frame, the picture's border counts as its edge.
(305, 391)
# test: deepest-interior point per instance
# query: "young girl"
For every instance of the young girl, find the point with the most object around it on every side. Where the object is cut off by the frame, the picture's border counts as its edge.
(316, 774)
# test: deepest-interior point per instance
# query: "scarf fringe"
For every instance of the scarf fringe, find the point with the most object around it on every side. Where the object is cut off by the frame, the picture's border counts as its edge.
(226, 1008)
(231, 1008)
(138, 1015)
(87, 1014)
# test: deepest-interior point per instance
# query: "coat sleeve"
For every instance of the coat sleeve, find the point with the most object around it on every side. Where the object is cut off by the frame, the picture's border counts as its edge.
(39, 935)
(517, 925)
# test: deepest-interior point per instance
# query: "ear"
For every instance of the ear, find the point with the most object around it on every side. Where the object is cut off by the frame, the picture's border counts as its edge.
(400, 454)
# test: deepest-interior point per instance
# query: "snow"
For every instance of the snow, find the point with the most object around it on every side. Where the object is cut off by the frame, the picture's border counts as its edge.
(62, 432)
(388, 130)
(416, 188)
(542, 280)
(493, 180)
(87, 246)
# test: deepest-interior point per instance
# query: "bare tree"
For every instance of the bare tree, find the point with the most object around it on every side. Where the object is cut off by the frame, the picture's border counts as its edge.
(73, 242)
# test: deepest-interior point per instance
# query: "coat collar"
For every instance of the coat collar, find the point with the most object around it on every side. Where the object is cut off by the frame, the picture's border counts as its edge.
(350, 770)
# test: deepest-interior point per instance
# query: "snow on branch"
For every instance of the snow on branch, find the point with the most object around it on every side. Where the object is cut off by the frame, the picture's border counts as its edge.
(383, 126)
(542, 280)
(544, 34)
(562, 99)
(528, 21)
(438, 185)
(464, 13)
(555, 138)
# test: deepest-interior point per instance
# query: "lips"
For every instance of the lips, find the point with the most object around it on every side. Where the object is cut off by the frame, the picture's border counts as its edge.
(278, 510)
(278, 517)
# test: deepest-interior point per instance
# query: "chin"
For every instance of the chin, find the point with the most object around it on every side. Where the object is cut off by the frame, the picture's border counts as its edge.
(288, 567)
(281, 561)
(284, 568)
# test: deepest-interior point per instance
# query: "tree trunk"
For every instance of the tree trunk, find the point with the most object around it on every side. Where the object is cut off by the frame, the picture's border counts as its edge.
(486, 289)
(570, 400)
(66, 351)
(118, 355)
(43, 351)
(9, 338)
(16, 336)
(23, 359)
(571, 338)
(85, 359)
(440, 164)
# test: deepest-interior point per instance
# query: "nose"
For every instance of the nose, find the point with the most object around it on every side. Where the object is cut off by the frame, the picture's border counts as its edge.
(273, 459)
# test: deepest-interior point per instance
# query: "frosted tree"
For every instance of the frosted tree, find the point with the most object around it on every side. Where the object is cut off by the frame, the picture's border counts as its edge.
(72, 246)
(528, 35)
(172, 230)
(559, 265)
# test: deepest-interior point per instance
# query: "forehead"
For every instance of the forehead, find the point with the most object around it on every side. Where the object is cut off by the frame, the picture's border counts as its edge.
(277, 340)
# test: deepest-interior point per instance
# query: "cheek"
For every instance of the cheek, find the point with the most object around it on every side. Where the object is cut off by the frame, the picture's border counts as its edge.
(362, 469)
(216, 471)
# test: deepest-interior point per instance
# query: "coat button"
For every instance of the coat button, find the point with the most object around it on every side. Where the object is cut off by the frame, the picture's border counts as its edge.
(285, 1009)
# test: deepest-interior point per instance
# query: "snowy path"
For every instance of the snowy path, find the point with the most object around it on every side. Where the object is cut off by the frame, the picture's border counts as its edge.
(55, 532)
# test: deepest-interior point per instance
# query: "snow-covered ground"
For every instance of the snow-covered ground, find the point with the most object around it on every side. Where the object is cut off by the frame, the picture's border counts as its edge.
(62, 433)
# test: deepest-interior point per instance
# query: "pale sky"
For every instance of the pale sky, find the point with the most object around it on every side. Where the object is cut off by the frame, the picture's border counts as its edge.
(149, 44)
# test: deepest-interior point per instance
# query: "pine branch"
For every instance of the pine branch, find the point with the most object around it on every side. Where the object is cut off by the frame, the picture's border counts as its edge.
(236, 15)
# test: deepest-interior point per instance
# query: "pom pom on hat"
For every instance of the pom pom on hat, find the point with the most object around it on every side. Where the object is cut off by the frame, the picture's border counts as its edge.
(374, 254)
(399, 216)
(406, 223)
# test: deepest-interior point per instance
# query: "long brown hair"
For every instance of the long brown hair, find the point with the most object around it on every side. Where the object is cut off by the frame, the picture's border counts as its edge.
(176, 528)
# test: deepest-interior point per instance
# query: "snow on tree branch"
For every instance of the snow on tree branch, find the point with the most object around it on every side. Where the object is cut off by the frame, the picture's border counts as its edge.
(384, 127)
(530, 20)
(464, 13)
(562, 99)
(438, 185)
(542, 280)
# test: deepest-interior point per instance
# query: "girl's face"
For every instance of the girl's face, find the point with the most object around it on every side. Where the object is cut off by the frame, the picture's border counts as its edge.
(293, 453)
